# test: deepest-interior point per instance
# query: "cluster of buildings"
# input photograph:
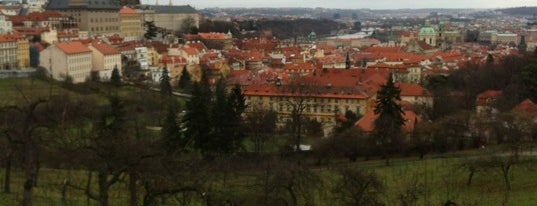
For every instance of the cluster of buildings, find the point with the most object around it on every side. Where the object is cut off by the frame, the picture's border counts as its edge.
(86, 39)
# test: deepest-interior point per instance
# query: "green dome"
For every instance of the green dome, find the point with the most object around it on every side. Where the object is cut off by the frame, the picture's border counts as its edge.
(427, 31)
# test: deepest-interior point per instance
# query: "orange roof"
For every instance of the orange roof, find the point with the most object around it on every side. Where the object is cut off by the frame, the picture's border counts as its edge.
(412, 89)
(104, 48)
(483, 98)
(526, 107)
(11, 37)
(219, 36)
(74, 47)
(191, 50)
(127, 10)
(367, 122)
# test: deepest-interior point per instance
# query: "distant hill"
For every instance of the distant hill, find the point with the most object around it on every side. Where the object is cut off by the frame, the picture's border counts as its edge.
(519, 11)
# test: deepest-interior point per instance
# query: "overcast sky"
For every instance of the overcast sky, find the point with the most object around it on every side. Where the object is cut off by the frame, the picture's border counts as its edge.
(351, 4)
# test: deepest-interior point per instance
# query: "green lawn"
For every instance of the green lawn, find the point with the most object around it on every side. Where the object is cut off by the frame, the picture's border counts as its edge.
(438, 180)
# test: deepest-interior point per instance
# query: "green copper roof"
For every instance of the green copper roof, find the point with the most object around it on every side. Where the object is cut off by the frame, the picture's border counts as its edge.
(427, 30)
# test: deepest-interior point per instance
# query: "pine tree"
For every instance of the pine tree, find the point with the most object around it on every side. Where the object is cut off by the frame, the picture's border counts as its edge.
(185, 80)
(151, 30)
(115, 78)
(197, 120)
(347, 62)
(171, 132)
(165, 86)
(237, 105)
(221, 119)
(390, 117)
(522, 46)
(490, 59)
(529, 78)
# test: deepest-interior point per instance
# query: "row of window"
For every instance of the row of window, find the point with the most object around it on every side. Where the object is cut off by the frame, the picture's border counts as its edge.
(98, 20)
(106, 28)
(321, 100)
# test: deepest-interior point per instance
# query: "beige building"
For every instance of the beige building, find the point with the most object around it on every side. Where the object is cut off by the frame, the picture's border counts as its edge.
(505, 38)
(23, 52)
(67, 59)
(5, 25)
(130, 24)
(8, 52)
(171, 17)
(104, 59)
(96, 17)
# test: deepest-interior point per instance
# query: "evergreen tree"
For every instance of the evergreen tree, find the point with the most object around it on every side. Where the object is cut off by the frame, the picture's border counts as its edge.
(490, 59)
(185, 80)
(165, 86)
(115, 78)
(237, 105)
(221, 119)
(347, 62)
(34, 56)
(522, 46)
(390, 117)
(197, 121)
(151, 30)
(171, 132)
(529, 79)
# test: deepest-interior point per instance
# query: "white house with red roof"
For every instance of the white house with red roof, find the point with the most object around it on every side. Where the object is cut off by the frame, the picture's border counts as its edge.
(104, 59)
(191, 54)
(415, 94)
(485, 102)
(67, 59)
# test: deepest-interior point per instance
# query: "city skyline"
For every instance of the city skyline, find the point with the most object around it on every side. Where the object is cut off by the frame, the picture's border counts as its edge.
(345, 4)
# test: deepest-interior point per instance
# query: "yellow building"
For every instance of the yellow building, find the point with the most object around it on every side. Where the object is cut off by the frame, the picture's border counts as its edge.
(23, 52)
(130, 24)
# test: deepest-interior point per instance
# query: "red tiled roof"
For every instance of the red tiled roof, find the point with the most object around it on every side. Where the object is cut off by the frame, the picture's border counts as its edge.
(367, 122)
(104, 48)
(412, 89)
(190, 50)
(526, 107)
(127, 10)
(219, 36)
(483, 98)
(74, 47)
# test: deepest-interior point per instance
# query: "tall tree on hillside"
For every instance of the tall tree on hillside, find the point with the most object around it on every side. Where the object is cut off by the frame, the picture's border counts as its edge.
(34, 56)
(171, 132)
(185, 81)
(522, 46)
(197, 120)
(220, 117)
(490, 59)
(165, 86)
(347, 61)
(529, 78)
(150, 30)
(115, 78)
(390, 117)
(236, 104)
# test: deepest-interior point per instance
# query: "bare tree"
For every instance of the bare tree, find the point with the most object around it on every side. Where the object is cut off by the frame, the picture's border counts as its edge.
(299, 97)
(358, 187)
